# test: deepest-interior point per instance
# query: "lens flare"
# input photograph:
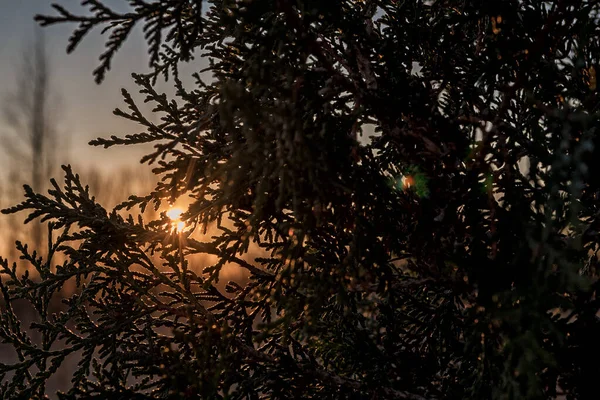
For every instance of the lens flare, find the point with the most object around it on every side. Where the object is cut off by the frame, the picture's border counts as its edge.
(407, 181)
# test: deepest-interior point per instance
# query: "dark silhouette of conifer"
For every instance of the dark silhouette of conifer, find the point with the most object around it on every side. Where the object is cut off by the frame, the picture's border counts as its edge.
(452, 256)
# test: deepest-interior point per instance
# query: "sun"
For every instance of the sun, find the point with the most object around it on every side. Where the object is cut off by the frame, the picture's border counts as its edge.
(174, 215)
(180, 226)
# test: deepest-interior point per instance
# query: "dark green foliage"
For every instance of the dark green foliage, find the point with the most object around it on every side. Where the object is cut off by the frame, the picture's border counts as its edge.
(453, 256)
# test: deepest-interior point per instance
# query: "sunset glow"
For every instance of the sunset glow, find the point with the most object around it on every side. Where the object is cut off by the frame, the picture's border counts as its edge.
(175, 215)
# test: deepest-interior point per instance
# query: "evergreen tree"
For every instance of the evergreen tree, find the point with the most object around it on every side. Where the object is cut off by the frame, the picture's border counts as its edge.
(453, 255)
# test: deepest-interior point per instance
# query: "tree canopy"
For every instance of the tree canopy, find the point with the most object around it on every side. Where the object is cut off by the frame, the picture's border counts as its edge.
(418, 179)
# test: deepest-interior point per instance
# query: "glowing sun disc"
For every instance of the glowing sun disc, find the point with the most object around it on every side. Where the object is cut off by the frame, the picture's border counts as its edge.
(180, 226)
(174, 213)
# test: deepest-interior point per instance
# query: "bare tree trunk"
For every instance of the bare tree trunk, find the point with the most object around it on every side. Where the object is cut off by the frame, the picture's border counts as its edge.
(39, 126)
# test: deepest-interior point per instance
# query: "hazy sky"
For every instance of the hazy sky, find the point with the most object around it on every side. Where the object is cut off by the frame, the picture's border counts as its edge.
(86, 109)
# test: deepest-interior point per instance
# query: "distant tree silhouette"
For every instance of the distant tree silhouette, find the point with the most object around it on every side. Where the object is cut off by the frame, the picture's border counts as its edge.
(30, 131)
(452, 256)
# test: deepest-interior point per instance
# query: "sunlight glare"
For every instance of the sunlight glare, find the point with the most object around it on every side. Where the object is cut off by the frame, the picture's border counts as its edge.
(175, 215)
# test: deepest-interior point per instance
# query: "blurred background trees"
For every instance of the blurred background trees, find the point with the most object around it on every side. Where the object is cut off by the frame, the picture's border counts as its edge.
(32, 142)
(35, 141)
(454, 255)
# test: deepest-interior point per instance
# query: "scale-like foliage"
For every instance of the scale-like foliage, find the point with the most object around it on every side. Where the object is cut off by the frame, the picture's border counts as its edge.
(453, 255)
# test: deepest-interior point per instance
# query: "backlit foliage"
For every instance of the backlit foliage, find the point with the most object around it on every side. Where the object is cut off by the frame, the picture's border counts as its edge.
(453, 255)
